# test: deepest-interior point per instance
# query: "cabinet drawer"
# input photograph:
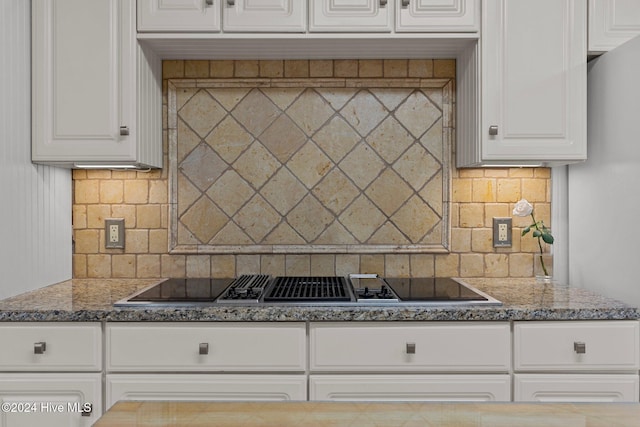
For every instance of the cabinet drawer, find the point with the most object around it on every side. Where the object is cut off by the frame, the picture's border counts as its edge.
(205, 387)
(404, 347)
(37, 346)
(229, 347)
(598, 345)
(575, 388)
(402, 388)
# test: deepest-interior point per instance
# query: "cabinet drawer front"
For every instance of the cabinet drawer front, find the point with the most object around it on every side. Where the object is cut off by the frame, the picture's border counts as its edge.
(601, 345)
(404, 347)
(207, 387)
(51, 347)
(232, 347)
(476, 388)
(575, 388)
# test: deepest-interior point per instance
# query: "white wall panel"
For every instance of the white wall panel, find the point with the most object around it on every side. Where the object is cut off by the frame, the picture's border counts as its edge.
(35, 201)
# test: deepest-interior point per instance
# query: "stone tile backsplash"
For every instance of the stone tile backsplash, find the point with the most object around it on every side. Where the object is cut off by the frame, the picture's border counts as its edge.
(285, 167)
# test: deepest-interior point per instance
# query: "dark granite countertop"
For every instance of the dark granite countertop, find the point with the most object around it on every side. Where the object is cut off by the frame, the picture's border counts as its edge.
(523, 299)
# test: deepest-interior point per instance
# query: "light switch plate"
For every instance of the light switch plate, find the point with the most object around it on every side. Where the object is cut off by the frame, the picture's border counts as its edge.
(502, 233)
(114, 233)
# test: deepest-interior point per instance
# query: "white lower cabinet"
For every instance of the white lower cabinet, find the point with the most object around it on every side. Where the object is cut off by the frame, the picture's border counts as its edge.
(205, 387)
(472, 388)
(205, 361)
(52, 400)
(439, 361)
(576, 361)
(50, 374)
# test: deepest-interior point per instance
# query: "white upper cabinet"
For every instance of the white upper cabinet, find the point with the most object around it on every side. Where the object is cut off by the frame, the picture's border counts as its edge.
(611, 23)
(532, 86)
(442, 16)
(95, 96)
(179, 15)
(264, 16)
(350, 16)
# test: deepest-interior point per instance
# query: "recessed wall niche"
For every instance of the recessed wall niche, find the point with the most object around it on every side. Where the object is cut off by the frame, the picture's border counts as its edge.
(334, 165)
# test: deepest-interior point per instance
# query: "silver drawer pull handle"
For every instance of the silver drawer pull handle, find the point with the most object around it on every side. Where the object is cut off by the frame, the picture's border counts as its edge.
(204, 348)
(124, 130)
(493, 130)
(405, 3)
(580, 347)
(39, 347)
(411, 348)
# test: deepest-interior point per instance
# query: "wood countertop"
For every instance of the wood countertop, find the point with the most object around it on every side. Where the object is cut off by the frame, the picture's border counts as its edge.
(356, 414)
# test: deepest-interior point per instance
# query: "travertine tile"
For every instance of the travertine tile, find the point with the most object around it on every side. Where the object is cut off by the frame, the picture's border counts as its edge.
(395, 68)
(323, 265)
(271, 68)
(148, 266)
(247, 68)
(257, 219)
(123, 266)
(345, 68)
(296, 68)
(388, 192)
(320, 68)
(98, 266)
(143, 198)
(283, 138)
(297, 265)
(204, 219)
(397, 265)
(136, 191)
(309, 218)
(220, 69)
(196, 69)
(370, 68)
(198, 266)
(256, 165)
(364, 112)
(415, 218)
(310, 165)
(372, 264)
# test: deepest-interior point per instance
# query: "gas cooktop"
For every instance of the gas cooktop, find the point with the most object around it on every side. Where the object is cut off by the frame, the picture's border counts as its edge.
(355, 289)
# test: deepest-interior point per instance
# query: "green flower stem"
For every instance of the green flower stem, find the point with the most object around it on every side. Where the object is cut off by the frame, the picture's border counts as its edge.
(544, 268)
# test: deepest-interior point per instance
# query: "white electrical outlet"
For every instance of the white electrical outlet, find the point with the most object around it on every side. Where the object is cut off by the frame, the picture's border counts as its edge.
(501, 232)
(114, 233)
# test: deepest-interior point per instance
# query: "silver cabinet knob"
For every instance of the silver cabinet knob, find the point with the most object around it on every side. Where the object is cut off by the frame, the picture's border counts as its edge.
(493, 130)
(204, 348)
(209, 2)
(39, 347)
(405, 3)
(124, 130)
(579, 347)
(383, 3)
(411, 348)
(231, 2)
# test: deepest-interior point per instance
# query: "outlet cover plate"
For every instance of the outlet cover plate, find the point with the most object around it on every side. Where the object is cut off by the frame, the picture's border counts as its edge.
(114, 233)
(502, 233)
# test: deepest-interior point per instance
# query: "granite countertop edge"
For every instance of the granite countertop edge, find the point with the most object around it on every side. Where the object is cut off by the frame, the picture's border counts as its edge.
(91, 300)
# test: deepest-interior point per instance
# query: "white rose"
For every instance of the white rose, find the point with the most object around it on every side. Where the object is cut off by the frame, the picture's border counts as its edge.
(523, 208)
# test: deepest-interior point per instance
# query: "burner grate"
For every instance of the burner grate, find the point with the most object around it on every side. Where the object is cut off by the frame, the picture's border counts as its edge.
(299, 288)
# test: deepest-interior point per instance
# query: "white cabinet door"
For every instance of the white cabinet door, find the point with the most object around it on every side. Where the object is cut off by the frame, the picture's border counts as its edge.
(350, 16)
(611, 23)
(204, 387)
(179, 15)
(575, 388)
(52, 400)
(182, 347)
(437, 16)
(533, 84)
(86, 72)
(410, 347)
(469, 388)
(264, 15)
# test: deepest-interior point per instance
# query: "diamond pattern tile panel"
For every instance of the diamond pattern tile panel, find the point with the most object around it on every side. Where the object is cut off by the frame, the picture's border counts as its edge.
(322, 167)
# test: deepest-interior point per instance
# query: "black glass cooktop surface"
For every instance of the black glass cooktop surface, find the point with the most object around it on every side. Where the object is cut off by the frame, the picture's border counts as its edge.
(434, 289)
(191, 291)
